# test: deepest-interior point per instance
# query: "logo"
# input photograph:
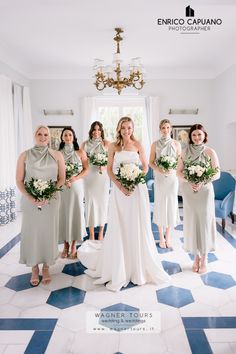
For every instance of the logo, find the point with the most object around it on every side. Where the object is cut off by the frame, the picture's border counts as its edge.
(189, 11)
(190, 24)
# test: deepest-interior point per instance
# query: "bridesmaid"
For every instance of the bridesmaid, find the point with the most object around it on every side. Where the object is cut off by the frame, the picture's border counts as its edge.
(39, 231)
(97, 183)
(199, 207)
(165, 184)
(72, 222)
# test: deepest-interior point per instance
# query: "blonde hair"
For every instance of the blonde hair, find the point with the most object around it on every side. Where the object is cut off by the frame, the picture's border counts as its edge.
(48, 130)
(119, 139)
(164, 121)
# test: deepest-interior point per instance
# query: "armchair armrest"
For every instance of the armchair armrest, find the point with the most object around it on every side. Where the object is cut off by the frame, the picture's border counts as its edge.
(227, 199)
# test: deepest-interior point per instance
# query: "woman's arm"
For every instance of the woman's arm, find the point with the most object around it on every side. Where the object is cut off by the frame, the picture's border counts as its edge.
(111, 153)
(61, 170)
(214, 162)
(20, 176)
(152, 158)
(180, 168)
(142, 157)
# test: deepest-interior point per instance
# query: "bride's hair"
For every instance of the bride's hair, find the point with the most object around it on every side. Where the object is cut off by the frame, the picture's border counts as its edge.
(119, 139)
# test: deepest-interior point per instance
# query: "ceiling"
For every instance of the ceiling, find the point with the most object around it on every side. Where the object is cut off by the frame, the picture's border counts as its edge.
(44, 39)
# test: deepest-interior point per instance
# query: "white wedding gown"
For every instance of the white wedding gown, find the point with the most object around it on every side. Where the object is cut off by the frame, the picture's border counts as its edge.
(128, 251)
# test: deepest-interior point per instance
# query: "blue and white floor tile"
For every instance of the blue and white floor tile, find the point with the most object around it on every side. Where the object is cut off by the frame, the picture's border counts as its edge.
(198, 312)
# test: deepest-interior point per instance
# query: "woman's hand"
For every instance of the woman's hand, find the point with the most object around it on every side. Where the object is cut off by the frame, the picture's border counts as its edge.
(124, 190)
(196, 187)
(70, 181)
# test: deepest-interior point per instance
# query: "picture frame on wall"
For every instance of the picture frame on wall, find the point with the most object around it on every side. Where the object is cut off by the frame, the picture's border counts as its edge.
(55, 132)
(180, 133)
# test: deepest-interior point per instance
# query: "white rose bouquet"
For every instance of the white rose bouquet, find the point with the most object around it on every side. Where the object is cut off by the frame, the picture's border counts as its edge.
(72, 169)
(130, 175)
(199, 172)
(41, 190)
(100, 159)
(166, 162)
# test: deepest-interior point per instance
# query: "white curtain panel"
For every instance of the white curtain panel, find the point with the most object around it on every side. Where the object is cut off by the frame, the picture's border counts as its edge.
(153, 117)
(23, 124)
(27, 122)
(7, 153)
(87, 116)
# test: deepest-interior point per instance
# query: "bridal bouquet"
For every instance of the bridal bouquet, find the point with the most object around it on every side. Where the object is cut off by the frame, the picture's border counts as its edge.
(199, 172)
(41, 190)
(72, 169)
(166, 162)
(99, 159)
(130, 175)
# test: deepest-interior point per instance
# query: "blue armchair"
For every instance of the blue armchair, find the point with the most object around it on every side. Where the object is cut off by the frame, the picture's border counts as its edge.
(224, 189)
(150, 184)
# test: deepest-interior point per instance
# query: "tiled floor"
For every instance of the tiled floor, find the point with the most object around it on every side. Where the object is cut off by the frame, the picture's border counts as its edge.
(193, 314)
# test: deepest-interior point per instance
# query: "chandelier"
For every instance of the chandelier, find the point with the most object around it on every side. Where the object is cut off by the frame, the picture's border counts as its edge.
(108, 76)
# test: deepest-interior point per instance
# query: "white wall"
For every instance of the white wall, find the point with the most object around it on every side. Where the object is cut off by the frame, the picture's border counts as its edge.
(66, 94)
(225, 117)
(59, 94)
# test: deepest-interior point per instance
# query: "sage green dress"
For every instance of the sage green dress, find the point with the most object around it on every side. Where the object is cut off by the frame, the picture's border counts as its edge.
(39, 231)
(199, 210)
(165, 188)
(71, 214)
(96, 188)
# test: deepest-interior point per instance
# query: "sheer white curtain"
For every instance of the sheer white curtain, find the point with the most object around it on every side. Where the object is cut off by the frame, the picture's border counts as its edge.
(88, 115)
(153, 117)
(23, 124)
(7, 153)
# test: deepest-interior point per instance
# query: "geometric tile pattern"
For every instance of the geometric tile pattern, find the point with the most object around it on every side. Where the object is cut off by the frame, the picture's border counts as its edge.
(8, 246)
(66, 297)
(174, 296)
(20, 282)
(171, 267)
(74, 269)
(194, 327)
(119, 317)
(42, 327)
(218, 280)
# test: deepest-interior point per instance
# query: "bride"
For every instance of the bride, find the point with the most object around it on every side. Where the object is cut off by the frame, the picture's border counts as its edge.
(128, 252)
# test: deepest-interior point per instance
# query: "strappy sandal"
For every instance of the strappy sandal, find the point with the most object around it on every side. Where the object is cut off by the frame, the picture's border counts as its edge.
(34, 281)
(65, 252)
(162, 244)
(46, 276)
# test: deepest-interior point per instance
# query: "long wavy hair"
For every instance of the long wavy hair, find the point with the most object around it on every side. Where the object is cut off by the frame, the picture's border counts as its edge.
(93, 125)
(75, 143)
(119, 139)
(197, 127)
(48, 130)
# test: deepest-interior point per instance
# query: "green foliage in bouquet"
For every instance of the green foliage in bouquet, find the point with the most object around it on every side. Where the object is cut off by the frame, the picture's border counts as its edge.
(72, 169)
(41, 190)
(99, 159)
(199, 172)
(166, 162)
(130, 175)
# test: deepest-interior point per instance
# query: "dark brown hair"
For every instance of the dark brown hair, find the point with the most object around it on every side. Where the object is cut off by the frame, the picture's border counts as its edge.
(197, 127)
(75, 142)
(93, 125)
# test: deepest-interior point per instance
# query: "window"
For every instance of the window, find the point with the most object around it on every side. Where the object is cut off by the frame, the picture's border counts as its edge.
(110, 110)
